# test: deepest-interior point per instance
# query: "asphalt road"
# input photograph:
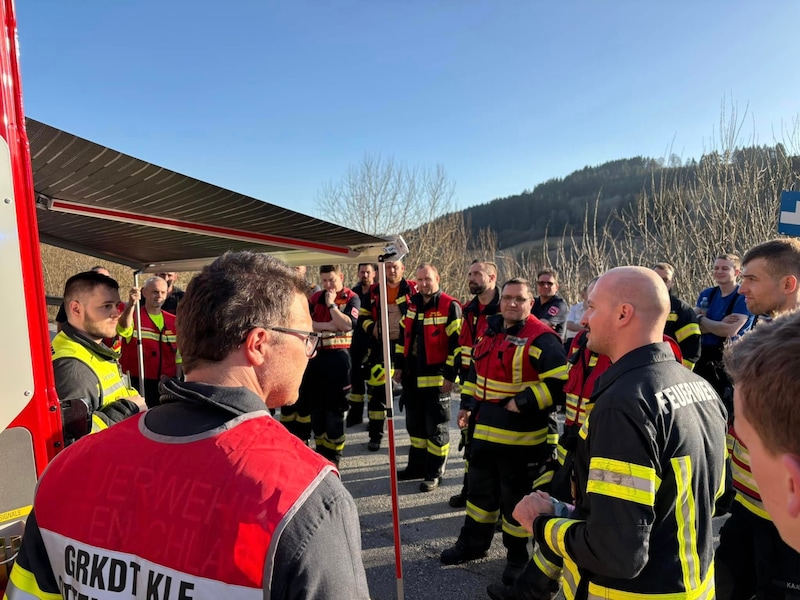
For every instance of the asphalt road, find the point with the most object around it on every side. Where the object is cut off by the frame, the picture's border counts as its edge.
(427, 524)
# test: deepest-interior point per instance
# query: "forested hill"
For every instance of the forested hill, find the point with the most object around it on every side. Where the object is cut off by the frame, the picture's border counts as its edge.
(558, 202)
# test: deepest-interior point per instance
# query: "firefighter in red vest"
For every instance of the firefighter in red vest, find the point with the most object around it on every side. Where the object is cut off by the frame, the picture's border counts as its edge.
(515, 382)
(427, 372)
(159, 341)
(205, 495)
(326, 383)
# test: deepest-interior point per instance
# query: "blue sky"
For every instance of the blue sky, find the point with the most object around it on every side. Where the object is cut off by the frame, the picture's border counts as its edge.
(275, 98)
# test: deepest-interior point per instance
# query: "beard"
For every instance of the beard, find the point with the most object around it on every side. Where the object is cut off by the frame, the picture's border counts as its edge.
(100, 329)
(476, 288)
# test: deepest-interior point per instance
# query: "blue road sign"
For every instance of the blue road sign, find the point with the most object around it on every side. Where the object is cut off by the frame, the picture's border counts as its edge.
(789, 219)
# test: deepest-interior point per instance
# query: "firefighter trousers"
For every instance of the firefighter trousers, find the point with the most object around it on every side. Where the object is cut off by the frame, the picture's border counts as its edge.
(499, 477)
(428, 424)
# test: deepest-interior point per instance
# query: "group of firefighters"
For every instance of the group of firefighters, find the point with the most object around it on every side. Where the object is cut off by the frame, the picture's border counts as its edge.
(646, 480)
(619, 510)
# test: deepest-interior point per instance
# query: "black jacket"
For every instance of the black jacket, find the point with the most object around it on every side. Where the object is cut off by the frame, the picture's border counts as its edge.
(648, 467)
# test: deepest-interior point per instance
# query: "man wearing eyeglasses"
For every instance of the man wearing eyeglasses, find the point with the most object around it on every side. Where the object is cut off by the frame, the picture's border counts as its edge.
(205, 495)
(515, 381)
(322, 406)
(549, 307)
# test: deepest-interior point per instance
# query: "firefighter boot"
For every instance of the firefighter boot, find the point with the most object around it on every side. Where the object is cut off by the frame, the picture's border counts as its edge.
(531, 585)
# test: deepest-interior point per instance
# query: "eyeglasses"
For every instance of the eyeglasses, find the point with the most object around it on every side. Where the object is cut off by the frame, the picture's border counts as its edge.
(546, 283)
(515, 299)
(310, 338)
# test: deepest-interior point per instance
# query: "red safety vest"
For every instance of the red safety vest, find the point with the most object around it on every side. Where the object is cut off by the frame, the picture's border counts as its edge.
(321, 313)
(159, 348)
(192, 519)
(502, 363)
(434, 329)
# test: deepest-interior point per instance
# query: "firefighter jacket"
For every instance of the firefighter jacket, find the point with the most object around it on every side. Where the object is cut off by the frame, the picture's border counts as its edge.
(744, 484)
(85, 369)
(370, 317)
(649, 464)
(347, 302)
(682, 326)
(159, 348)
(430, 338)
(473, 322)
(236, 511)
(526, 363)
(553, 313)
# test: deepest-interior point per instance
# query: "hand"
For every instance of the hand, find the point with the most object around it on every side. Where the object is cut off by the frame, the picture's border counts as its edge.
(463, 418)
(511, 406)
(330, 297)
(532, 506)
(139, 402)
(447, 387)
(134, 295)
(700, 311)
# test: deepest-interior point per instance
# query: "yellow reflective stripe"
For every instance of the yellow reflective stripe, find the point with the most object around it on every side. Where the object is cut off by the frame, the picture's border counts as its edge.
(498, 387)
(417, 442)
(571, 411)
(623, 480)
(754, 506)
(376, 415)
(561, 372)
(508, 437)
(570, 578)
(555, 531)
(481, 516)
(687, 331)
(431, 320)
(561, 453)
(704, 592)
(454, 327)
(98, 424)
(685, 517)
(430, 381)
(335, 445)
(534, 351)
(672, 316)
(399, 349)
(466, 351)
(356, 399)
(468, 387)
(542, 394)
(366, 324)
(545, 479)
(515, 530)
(364, 312)
(437, 450)
(287, 418)
(584, 431)
(593, 360)
(688, 364)
(518, 363)
(451, 361)
(22, 585)
(551, 570)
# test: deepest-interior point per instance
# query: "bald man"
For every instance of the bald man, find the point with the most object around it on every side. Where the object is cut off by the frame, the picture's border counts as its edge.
(648, 465)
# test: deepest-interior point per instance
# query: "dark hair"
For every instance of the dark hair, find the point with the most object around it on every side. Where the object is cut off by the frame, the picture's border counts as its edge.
(781, 255)
(227, 298)
(488, 266)
(373, 265)
(519, 281)
(550, 272)
(86, 282)
(330, 269)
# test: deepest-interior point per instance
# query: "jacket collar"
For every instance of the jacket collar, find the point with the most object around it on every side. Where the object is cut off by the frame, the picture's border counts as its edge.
(640, 357)
(99, 349)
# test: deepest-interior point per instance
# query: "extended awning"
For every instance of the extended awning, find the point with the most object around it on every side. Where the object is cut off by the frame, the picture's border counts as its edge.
(103, 203)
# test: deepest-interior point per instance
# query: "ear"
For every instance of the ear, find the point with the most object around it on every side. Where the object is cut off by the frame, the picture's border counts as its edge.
(792, 464)
(256, 346)
(75, 308)
(625, 312)
(789, 284)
